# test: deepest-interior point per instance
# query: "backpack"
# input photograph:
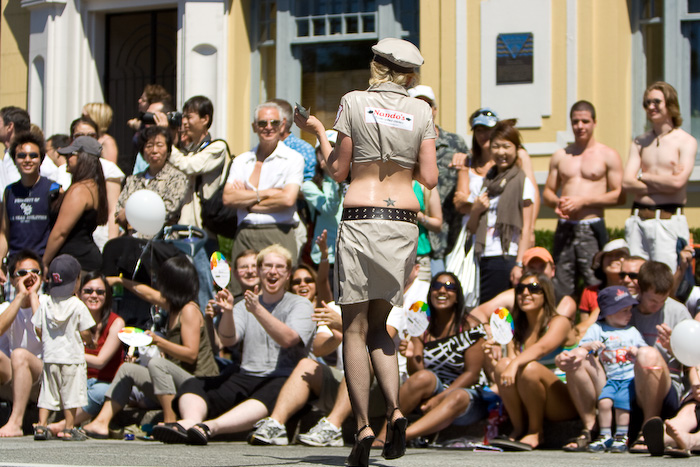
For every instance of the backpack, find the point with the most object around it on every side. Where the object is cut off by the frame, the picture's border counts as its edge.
(220, 219)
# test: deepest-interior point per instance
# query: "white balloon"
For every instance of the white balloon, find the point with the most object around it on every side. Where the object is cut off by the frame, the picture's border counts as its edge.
(685, 342)
(145, 211)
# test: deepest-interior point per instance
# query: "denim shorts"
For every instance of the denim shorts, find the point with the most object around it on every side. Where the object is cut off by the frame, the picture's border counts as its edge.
(478, 408)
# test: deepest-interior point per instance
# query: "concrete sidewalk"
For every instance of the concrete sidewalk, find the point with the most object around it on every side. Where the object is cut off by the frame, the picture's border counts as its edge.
(27, 452)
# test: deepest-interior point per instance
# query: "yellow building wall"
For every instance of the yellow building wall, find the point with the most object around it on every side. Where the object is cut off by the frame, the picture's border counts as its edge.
(239, 72)
(603, 42)
(14, 50)
(437, 39)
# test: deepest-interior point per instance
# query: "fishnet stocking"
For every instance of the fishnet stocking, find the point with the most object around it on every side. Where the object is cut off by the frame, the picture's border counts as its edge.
(364, 328)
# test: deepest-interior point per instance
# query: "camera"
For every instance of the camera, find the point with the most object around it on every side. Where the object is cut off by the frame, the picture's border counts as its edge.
(174, 119)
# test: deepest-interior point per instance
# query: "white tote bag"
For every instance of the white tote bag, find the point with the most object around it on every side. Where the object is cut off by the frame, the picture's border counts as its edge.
(462, 262)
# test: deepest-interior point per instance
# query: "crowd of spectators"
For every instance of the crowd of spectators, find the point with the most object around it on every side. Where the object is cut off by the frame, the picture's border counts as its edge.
(592, 319)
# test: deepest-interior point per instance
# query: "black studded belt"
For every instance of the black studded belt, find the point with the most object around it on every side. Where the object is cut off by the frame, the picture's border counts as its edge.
(388, 214)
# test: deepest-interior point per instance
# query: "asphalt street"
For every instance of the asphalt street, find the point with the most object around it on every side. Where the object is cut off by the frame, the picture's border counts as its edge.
(27, 452)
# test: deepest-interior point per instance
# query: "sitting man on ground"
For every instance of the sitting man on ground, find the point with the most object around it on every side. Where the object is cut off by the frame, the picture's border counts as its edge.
(276, 330)
(313, 379)
(657, 385)
(20, 348)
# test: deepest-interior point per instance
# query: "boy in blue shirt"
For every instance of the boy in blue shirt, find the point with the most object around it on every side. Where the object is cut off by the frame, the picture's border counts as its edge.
(616, 343)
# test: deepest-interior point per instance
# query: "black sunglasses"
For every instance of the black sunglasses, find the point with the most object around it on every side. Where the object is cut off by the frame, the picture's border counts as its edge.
(631, 275)
(305, 280)
(532, 287)
(262, 124)
(449, 286)
(88, 291)
(648, 102)
(22, 155)
(24, 272)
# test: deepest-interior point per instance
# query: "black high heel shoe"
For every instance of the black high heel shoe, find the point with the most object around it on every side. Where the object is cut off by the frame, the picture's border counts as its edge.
(359, 456)
(395, 444)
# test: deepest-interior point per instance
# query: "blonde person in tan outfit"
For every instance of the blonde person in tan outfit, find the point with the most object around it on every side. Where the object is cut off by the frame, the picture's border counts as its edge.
(388, 138)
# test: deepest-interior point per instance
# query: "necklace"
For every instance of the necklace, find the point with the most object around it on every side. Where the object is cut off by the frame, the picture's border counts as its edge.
(659, 136)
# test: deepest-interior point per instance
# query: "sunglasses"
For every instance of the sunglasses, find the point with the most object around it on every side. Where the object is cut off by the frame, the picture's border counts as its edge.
(305, 280)
(631, 275)
(532, 287)
(262, 124)
(99, 292)
(647, 102)
(485, 113)
(22, 155)
(24, 272)
(449, 286)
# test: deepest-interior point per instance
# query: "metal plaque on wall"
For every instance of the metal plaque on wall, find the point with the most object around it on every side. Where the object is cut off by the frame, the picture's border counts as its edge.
(514, 58)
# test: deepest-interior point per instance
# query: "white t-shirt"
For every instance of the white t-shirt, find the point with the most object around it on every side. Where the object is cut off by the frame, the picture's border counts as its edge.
(8, 173)
(21, 332)
(283, 167)
(493, 237)
(398, 318)
(60, 323)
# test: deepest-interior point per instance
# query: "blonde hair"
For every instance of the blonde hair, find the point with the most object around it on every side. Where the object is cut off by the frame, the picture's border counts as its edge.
(383, 74)
(100, 113)
(276, 249)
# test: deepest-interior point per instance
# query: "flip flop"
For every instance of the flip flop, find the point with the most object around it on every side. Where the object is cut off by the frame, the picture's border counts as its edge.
(678, 453)
(95, 435)
(170, 433)
(508, 444)
(199, 434)
(653, 431)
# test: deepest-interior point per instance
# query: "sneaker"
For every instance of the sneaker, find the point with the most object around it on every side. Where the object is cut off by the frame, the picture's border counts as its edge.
(269, 432)
(601, 444)
(619, 444)
(324, 433)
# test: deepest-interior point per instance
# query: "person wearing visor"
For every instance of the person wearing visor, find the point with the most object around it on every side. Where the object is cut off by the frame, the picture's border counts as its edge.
(473, 170)
(388, 137)
(82, 208)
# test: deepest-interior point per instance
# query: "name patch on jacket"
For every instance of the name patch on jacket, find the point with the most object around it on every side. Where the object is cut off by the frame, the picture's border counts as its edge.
(392, 118)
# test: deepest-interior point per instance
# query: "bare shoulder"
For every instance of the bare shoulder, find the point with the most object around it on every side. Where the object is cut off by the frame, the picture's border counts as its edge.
(684, 136)
(607, 152)
(190, 313)
(559, 154)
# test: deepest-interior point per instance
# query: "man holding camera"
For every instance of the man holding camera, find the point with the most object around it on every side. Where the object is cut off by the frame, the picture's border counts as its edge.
(203, 159)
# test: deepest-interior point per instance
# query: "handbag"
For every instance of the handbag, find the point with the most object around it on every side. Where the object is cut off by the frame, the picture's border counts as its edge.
(463, 263)
(220, 219)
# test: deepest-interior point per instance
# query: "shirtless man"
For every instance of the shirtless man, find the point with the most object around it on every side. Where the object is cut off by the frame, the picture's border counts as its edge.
(589, 175)
(657, 173)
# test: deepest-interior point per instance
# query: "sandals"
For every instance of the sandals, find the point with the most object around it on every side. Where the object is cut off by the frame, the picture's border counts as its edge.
(199, 434)
(74, 434)
(654, 430)
(42, 433)
(170, 433)
(581, 442)
(678, 453)
(639, 446)
(508, 444)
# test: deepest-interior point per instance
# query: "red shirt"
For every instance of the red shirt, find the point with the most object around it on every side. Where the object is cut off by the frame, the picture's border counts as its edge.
(110, 369)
